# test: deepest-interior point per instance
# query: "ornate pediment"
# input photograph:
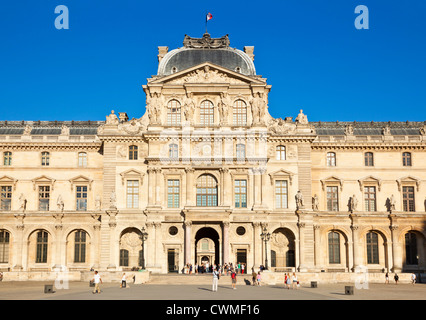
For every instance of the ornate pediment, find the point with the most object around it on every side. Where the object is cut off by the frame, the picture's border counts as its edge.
(44, 180)
(370, 180)
(7, 180)
(408, 180)
(206, 42)
(332, 180)
(81, 180)
(282, 174)
(131, 174)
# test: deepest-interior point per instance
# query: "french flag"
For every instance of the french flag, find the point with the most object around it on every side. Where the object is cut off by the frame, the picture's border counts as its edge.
(209, 16)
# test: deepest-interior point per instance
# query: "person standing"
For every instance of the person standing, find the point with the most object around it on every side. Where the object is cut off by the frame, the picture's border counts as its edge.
(259, 279)
(215, 279)
(233, 279)
(387, 278)
(253, 276)
(396, 278)
(286, 280)
(97, 280)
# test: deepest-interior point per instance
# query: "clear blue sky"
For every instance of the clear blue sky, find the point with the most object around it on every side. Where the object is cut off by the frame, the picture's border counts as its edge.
(309, 50)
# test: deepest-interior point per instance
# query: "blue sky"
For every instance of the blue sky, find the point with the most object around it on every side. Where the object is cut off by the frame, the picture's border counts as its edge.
(309, 50)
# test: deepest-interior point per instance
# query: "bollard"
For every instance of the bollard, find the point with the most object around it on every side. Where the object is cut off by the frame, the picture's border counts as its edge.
(48, 288)
(314, 284)
(349, 290)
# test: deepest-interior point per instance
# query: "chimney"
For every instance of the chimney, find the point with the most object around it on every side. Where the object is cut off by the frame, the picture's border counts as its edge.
(249, 51)
(162, 52)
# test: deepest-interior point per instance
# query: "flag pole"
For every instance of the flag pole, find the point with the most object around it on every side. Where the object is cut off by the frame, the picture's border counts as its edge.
(206, 21)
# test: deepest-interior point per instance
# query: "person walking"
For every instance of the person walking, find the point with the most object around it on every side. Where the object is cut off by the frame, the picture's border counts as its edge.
(396, 278)
(286, 279)
(413, 278)
(387, 278)
(294, 280)
(215, 279)
(233, 278)
(97, 280)
(123, 283)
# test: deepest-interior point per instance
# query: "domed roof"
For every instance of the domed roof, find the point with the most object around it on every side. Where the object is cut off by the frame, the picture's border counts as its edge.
(206, 49)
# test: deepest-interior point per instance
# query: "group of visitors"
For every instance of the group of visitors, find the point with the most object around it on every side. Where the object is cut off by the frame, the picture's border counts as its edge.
(291, 280)
(229, 269)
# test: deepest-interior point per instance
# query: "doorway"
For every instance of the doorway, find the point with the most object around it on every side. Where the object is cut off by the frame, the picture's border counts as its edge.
(172, 260)
(207, 246)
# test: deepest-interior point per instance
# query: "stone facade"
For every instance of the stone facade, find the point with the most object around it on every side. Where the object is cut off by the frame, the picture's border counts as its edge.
(208, 165)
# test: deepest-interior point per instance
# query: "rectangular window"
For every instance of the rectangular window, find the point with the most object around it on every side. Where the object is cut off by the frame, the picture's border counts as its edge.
(81, 198)
(408, 199)
(45, 158)
(6, 197)
(370, 198)
(281, 194)
(240, 193)
(173, 192)
(132, 194)
(43, 198)
(41, 247)
(82, 159)
(332, 199)
(4, 246)
(7, 158)
(80, 247)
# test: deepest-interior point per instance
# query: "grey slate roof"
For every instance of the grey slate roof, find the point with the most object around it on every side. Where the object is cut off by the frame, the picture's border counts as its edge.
(50, 127)
(368, 128)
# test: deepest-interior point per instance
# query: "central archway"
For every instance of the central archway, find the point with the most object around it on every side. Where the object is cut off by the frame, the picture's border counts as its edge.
(207, 246)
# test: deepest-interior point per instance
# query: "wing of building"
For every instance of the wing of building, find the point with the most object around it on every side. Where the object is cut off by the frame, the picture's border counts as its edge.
(204, 175)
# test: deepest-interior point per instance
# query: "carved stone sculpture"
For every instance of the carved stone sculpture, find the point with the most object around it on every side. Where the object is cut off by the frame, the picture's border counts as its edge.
(22, 203)
(353, 203)
(224, 105)
(301, 118)
(112, 118)
(257, 108)
(189, 107)
(299, 200)
(60, 203)
(315, 203)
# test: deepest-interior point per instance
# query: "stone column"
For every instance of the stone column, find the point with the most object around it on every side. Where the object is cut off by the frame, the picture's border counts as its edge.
(317, 247)
(158, 187)
(19, 242)
(189, 186)
(114, 248)
(257, 244)
(188, 225)
(226, 187)
(302, 267)
(149, 245)
(225, 246)
(158, 244)
(94, 250)
(396, 265)
(151, 186)
(355, 241)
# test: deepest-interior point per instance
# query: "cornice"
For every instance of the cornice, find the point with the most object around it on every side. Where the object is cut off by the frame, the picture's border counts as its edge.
(50, 145)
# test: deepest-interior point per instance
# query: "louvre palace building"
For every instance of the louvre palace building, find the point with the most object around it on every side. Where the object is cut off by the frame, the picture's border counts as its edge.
(206, 174)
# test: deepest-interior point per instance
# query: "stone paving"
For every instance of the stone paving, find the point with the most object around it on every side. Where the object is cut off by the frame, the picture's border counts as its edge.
(111, 291)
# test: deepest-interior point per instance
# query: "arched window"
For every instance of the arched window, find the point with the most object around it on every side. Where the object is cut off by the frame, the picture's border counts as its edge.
(173, 113)
(333, 247)
(45, 158)
(173, 151)
(280, 153)
(411, 256)
(133, 152)
(241, 151)
(206, 191)
(82, 159)
(369, 159)
(206, 113)
(240, 113)
(406, 159)
(41, 246)
(331, 159)
(372, 248)
(124, 258)
(4, 246)
(80, 246)
(7, 158)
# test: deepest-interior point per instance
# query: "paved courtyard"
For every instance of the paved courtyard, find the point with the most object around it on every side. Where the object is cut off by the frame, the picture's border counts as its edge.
(112, 291)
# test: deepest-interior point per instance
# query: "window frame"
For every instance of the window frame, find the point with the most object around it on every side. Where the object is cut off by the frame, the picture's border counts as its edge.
(207, 113)
(7, 158)
(173, 193)
(408, 204)
(407, 159)
(239, 113)
(239, 194)
(45, 159)
(369, 159)
(280, 153)
(174, 114)
(81, 196)
(133, 152)
(44, 190)
(80, 246)
(281, 198)
(132, 196)
(369, 201)
(332, 206)
(331, 159)
(5, 191)
(333, 248)
(207, 196)
(372, 244)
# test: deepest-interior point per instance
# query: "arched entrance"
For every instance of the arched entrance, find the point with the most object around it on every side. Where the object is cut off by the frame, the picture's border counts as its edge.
(282, 248)
(207, 246)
